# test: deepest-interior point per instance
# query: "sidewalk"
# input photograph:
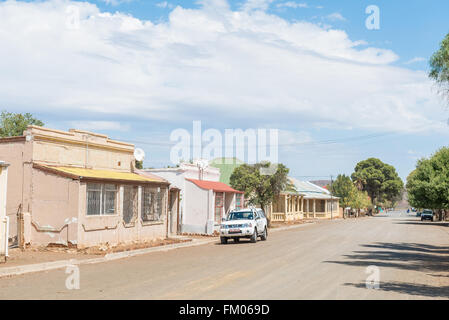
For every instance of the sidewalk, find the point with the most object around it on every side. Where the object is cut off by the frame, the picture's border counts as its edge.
(55, 260)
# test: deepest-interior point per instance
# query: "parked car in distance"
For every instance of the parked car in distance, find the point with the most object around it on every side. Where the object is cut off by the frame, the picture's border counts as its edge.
(245, 223)
(418, 213)
(427, 215)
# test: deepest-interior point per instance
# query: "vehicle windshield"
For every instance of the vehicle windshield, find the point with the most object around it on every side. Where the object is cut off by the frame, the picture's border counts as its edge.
(428, 212)
(241, 215)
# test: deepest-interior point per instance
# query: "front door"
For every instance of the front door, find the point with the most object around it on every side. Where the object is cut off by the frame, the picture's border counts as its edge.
(173, 212)
(219, 204)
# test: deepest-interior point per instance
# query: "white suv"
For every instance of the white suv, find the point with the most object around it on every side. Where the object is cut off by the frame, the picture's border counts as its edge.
(246, 223)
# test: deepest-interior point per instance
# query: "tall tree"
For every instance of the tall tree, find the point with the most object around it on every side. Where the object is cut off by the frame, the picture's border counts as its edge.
(14, 124)
(439, 67)
(378, 179)
(259, 188)
(428, 184)
(342, 187)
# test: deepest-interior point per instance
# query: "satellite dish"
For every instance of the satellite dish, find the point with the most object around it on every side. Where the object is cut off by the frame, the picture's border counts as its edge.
(139, 154)
(202, 163)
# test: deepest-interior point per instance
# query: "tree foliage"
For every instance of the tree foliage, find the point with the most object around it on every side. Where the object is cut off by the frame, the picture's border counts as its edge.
(439, 67)
(341, 188)
(260, 189)
(378, 179)
(14, 124)
(359, 199)
(139, 164)
(428, 184)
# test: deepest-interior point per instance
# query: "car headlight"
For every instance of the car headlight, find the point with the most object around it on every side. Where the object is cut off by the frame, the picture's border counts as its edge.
(247, 225)
(223, 226)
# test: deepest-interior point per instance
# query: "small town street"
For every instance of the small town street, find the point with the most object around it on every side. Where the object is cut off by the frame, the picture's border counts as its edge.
(326, 260)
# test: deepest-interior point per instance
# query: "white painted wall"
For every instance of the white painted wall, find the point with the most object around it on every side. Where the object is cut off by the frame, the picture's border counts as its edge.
(199, 201)
(195, 199)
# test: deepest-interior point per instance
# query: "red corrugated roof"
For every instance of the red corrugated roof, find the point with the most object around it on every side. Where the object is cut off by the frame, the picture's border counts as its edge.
(212, 185)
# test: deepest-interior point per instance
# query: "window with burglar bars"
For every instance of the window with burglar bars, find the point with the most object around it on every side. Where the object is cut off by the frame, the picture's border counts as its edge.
(101, 199)
(218, 206)
(152, 204)
(129, 203)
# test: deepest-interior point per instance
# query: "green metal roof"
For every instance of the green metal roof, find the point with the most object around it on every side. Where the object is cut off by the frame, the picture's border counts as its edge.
(226, 166)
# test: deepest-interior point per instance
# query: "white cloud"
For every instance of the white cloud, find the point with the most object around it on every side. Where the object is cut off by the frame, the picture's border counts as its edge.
(292, 4)
(336, 16)
(414, 60)
(165, 5)
(115, 2)
(99, 125)
(211, 63)
(256, 5)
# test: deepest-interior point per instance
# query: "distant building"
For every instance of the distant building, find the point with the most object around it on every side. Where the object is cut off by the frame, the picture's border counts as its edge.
(318, 201)
(321, 183)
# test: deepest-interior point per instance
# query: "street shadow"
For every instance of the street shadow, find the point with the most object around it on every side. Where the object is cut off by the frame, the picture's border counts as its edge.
(425, 223)
(409, 288)
(403, 256)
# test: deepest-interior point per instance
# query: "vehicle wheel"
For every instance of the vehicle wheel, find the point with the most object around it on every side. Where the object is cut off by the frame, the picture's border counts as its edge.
(224, 240)
(264, 235)
(236, 240)
(254, 236)
(422, 219)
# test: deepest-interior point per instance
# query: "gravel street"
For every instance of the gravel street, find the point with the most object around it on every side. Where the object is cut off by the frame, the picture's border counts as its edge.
(326, 260)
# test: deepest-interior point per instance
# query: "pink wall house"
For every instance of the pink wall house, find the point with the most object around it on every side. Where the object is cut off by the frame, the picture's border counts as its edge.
(80, 188)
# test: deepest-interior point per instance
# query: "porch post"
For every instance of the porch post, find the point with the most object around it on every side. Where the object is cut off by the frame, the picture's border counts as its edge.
(285, 207)
(314, 208)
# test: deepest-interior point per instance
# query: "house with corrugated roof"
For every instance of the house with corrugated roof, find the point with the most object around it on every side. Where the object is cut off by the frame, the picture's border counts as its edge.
(204, 200)
(318, 202)
(80, 188)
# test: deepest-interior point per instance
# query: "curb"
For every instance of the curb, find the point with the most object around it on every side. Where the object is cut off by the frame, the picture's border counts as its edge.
(46, 266)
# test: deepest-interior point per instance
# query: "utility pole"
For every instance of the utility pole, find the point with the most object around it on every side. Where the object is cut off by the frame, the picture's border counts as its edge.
(332, 199)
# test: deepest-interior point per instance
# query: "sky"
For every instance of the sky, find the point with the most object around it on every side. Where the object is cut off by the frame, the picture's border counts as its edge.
(136, 70)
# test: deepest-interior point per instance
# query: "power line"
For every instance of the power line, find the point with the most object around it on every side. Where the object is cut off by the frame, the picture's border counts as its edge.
(320, 142)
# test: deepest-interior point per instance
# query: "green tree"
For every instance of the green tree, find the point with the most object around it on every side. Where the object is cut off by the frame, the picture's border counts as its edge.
(14, 124)
(259, 188)
(358, 200)
(378, 179)
(428, 184)
(341, 188)
(439, 67)
(139, 164)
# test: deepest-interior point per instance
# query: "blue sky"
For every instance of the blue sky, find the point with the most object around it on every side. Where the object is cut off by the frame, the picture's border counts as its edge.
(308, 68)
